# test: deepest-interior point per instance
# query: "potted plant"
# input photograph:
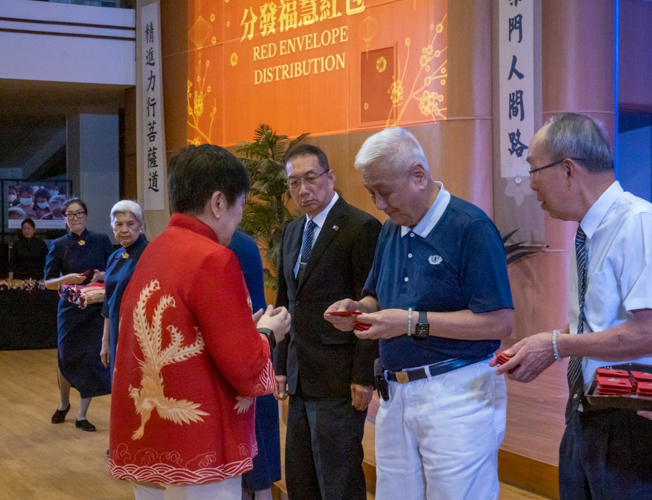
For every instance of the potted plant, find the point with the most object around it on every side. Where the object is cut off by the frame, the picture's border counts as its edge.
(265, 213)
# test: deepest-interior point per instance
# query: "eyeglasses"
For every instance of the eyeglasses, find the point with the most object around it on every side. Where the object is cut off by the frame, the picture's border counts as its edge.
(310, 180)
(75, 215)
(553, 164)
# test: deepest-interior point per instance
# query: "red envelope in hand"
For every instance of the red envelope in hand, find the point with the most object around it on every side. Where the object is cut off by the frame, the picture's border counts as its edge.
(345, 314)
(503, 358)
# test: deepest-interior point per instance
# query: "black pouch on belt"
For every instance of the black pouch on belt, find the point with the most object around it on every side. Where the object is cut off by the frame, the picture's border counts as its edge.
(379, 377)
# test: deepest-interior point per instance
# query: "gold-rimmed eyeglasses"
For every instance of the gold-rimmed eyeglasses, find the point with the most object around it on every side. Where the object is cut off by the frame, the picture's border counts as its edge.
(310, 180)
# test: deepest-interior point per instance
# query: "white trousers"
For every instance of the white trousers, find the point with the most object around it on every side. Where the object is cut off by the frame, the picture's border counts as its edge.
(438, 438)
(229, 489)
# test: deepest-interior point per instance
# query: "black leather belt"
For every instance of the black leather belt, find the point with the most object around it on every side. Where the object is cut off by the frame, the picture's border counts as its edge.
(410, 375)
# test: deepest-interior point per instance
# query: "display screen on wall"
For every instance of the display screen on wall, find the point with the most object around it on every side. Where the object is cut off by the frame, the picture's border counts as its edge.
(319, 66)
(40, 201)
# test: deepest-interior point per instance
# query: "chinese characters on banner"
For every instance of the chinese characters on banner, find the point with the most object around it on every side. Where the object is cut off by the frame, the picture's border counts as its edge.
(516, 86)
(153, 139)
(319, 66)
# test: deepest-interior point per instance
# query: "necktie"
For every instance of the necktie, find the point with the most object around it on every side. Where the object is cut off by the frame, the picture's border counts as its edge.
(306, 248)
(575, 379)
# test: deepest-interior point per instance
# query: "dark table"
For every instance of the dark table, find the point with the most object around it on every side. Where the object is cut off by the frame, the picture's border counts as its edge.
(28, 320)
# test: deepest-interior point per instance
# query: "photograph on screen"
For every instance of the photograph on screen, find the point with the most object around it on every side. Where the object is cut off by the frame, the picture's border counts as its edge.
(40, 201)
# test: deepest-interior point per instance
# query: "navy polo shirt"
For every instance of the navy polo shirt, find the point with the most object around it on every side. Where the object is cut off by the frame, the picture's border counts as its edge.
(453, 260)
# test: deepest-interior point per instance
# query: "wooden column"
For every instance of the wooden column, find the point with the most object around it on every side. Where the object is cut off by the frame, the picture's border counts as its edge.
(577, 76)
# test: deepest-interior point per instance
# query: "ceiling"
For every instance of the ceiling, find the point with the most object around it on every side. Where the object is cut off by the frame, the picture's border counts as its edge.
(33, 116)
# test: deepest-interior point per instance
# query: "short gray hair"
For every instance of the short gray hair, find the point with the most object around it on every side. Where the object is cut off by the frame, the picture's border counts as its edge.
(571, 135)
(127, 207)
(395, 146)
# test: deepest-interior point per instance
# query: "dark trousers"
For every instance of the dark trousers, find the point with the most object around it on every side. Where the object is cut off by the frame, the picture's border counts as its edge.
(323, 449)
(606, 455)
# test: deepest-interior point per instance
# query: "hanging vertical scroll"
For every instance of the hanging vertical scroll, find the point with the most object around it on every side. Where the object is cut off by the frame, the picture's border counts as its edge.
(152, 133)
(516, 86)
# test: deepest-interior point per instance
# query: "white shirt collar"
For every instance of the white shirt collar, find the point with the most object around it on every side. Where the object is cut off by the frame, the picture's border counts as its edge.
(599, 209)
(430, 220)
(320, 218)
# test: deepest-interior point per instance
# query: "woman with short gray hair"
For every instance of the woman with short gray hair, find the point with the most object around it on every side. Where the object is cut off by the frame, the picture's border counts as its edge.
(128, 229)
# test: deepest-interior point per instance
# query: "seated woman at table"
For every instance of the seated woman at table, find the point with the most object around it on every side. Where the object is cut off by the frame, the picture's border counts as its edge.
(27, 257)
(78, 258)
(128, 227)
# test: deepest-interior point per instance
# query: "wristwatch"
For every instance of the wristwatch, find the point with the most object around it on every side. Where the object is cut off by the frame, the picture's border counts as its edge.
(422, 328)
(267, 332)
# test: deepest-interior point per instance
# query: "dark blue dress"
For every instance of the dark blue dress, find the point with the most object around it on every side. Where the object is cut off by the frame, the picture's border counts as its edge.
(119, 270)
(267, 464)
(80, 330)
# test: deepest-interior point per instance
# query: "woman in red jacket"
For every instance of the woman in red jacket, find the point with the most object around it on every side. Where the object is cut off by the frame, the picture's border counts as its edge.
(190, 359)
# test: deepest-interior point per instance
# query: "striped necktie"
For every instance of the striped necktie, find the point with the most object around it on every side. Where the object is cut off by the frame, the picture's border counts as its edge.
(306, 248)
(575, 379)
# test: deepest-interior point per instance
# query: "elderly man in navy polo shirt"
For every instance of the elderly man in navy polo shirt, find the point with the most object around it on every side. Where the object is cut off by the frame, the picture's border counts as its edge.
(439, 300)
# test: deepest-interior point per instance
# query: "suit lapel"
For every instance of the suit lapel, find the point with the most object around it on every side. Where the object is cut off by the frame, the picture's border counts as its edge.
(326, 234)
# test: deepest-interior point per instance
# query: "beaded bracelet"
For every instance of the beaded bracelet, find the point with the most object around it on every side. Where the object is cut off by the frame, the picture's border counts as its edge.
(555, 349)
(409, 332)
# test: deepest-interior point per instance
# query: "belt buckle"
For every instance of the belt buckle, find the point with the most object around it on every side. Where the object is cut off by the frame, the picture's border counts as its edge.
(402, 377)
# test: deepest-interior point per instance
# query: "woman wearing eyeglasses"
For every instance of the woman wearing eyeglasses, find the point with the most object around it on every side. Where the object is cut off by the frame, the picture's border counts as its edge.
(78, 258)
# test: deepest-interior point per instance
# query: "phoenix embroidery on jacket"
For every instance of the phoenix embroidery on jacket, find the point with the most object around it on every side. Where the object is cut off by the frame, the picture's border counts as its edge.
(150, 395)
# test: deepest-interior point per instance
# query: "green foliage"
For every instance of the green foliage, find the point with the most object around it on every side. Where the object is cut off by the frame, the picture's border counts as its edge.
(265, 213)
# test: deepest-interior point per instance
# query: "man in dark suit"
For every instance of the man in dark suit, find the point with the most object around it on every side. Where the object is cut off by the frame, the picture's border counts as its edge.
(328, 373)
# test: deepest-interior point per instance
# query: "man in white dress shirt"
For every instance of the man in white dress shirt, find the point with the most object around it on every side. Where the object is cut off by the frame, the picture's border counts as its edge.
(604, 454)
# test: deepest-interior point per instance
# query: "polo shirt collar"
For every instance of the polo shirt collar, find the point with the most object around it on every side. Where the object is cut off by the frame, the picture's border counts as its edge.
(599, 209)
(320, 218)
(429, 221)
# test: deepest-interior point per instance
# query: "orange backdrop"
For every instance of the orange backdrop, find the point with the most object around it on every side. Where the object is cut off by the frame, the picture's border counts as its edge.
(319, 66)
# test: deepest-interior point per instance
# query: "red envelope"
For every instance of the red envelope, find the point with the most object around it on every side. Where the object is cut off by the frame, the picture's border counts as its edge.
(608, 372)
(345, 313)
(642, 376)
(613, 383)
(644, 389)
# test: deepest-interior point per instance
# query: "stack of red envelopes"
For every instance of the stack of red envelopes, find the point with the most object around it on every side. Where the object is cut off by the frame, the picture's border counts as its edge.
(503, 358)
(644, 389)
(642, 384)
(361, 327)
(613, 382)
(610, 372)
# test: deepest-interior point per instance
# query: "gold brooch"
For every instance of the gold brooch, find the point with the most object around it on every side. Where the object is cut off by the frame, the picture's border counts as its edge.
(81, 243)
(125, 255)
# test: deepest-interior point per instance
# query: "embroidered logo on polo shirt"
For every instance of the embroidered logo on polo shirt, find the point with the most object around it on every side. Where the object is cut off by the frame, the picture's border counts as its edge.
(435, 259)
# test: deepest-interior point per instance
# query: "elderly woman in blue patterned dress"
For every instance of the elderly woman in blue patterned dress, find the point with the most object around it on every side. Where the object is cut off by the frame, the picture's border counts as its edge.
(79, 258)
(128, 228)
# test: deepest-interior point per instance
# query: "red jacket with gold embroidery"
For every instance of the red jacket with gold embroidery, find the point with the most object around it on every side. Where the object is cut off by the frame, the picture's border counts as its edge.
(188, 364)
